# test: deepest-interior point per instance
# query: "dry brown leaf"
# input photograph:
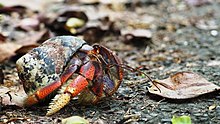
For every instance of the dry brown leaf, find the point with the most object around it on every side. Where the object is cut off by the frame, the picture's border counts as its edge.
(34, 39)
(197, 2)
(29, 24)
(25, 49)
(183, 85)
(7, 50)
(138, 37)
(12, 96)
(38, 5)
(2, 38)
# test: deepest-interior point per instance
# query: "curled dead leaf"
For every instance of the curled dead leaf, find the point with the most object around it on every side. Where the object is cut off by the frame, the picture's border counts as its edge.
(34, 39)
(95, 30)
(138, 37)
(2, 38)
(7, 50)
(26, 48)
(61, 22)
(183, 85)
(197, 2)
(12, 8)
(14, 95)
(28, 24)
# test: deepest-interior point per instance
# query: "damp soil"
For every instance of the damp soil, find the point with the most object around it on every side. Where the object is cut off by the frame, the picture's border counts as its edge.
(186, 39)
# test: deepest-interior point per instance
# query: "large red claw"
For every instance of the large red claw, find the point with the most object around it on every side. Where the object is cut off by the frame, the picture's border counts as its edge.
(42, 93)
(45, 91)
(73, 89)
(31, 100)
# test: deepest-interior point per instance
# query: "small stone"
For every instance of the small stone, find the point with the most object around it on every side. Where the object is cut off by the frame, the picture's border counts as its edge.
(144, 119)
(218, 108)
(166, 110)
(198, 114)
(165, 120)
(153, 114)
(214, 33)
(99, 121)
(210, 100)
(203, 118)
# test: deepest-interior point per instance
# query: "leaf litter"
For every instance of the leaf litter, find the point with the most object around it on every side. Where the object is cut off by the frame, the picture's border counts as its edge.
(183, 85)
(28, 21)
(14, 95)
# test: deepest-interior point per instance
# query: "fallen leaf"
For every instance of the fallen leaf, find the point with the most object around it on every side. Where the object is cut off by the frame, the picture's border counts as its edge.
(197, 2)
(37, 5)
(183, 85)
(138, 37)
(74, 120)
(59, 22)
(14, 95)
(15, 8)
(25, 49)
(7, 50)
(35, 38)
(1, 75)
(2, 38)
(28, 24)
(95, 30)
(181, 120)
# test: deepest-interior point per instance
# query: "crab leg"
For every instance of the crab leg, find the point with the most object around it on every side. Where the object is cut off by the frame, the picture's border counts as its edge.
(87, 72)
(45, 91)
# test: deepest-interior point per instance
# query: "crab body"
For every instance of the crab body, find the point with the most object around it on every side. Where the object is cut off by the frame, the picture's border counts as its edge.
(67, 67)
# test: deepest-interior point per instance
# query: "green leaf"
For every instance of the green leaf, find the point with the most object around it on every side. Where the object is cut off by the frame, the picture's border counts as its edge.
(181, 120)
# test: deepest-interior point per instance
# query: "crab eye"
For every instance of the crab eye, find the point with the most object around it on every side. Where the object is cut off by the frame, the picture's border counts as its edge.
(86, 48)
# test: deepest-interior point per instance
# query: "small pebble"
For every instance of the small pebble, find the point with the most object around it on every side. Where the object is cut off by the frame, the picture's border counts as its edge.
(198, 114)
(214, 33)
(203, 118)
(217, 109)
(165, 120)
(153, 114)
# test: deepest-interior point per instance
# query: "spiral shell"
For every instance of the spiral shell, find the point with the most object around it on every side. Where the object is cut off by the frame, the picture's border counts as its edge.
(44, 64)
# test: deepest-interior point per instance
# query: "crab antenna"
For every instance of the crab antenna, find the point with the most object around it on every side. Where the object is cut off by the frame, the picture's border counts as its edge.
(128, 68)
(136, 70)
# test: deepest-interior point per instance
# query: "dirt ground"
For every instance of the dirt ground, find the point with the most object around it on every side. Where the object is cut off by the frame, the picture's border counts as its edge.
(184, 37)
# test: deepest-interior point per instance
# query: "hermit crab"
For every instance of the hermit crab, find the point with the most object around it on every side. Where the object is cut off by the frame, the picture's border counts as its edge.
(66, 67)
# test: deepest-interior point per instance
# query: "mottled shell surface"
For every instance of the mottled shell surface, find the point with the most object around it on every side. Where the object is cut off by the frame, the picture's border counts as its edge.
(44, 64)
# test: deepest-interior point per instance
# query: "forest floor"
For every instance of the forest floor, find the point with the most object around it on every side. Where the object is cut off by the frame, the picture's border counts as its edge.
(181, 37)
